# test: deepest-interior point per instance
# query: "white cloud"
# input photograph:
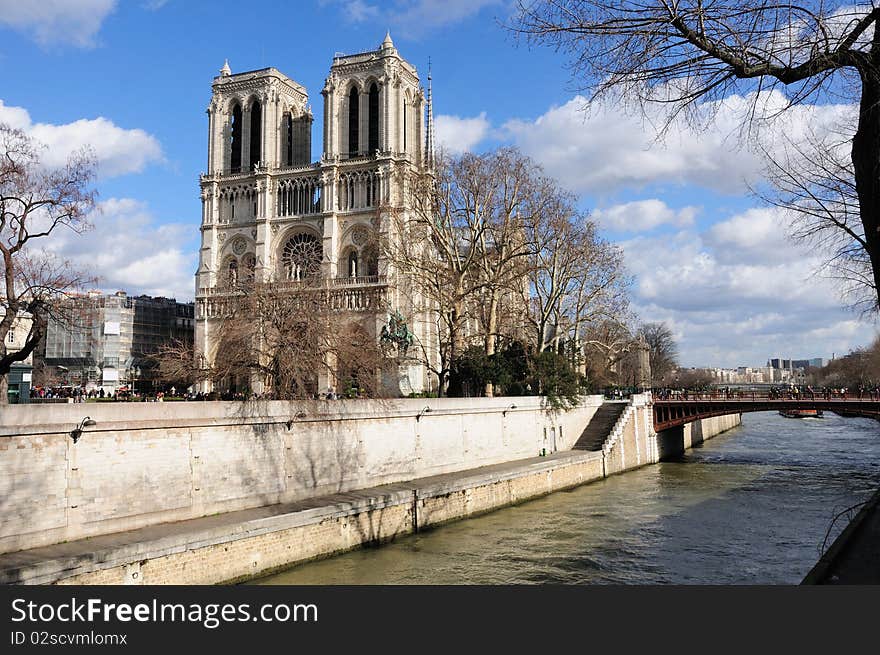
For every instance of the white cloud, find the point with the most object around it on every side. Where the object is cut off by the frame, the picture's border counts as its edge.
(604, 149)
(358, 11)
(739, 293)
(119, 151)
(416, 17)
(457, 135)
(412, 18)
(643, 215)
(756, 235)
(55, 22)
(129, 251)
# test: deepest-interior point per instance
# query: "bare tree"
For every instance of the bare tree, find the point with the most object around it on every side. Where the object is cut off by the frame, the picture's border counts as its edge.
(463, 245)
(692, 378)
(813, 181)
(35, 201)
(662, 350)
(577, 281)
(279, 339)
(429, 247)
(176, 362)
(520, 197)
(606, 343)
(683, 52)
(497, 250)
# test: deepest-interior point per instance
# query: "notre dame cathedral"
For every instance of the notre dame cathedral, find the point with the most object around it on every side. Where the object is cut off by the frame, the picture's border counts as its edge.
(271, 215)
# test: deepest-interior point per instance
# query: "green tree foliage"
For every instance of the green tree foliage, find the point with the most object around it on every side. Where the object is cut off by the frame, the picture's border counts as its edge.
(516, 370)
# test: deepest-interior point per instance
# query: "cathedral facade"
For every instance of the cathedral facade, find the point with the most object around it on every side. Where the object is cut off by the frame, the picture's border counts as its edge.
(271, 215)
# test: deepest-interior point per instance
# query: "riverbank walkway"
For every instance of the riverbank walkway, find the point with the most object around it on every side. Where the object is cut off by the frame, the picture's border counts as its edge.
(51, 564)
(853, 558)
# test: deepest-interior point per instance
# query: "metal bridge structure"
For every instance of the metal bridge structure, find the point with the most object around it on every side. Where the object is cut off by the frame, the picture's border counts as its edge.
(674, 409)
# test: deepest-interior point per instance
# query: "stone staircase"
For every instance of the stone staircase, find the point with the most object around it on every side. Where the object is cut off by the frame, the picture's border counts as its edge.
(600, 426)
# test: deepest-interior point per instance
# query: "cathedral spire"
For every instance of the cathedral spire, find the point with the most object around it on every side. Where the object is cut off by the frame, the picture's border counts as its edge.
(429, 131)
(225, 71)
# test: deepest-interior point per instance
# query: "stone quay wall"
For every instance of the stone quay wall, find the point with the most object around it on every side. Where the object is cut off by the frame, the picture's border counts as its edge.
(253, 548)
(673, 442)
(143, 464)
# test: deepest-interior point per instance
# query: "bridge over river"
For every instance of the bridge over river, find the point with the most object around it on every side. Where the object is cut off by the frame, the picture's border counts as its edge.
(677, 410)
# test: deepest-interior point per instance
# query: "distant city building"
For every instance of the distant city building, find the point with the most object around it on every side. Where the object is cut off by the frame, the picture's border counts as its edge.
(20, 376)
(108, 343)
(777, 371)
(794, 364)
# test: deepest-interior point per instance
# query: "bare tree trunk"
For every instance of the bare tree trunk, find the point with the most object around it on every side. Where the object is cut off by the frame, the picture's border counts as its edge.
(491, 329)
(865, 153)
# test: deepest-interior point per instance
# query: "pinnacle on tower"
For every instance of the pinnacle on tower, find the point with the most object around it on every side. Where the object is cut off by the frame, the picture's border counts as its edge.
(388, 44)
(225, 71)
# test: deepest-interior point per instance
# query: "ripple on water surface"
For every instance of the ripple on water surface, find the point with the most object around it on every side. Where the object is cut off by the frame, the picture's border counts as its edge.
(751, 506)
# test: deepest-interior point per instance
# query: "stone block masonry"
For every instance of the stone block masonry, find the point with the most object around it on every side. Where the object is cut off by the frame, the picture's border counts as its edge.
(143, 464)
(673, 442)
(242, 543)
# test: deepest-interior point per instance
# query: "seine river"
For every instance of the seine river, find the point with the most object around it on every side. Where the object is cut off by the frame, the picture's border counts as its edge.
(751, 506)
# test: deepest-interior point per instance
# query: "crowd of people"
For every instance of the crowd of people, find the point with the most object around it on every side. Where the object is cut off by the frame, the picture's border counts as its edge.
(81, 395)
(792, 392)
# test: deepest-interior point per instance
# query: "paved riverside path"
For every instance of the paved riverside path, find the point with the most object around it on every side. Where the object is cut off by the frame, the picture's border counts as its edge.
(48, 564)
(854, 557)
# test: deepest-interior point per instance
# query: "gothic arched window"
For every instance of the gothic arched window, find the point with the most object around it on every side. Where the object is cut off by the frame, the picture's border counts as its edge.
(354, 100)
(287, 130)
(373, 141)
(232, 273)
(256, 132)
(370, 260)
(235, 141)
(301, 257)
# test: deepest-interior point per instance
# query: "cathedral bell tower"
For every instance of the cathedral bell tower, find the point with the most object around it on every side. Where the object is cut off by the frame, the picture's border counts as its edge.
(373, 103)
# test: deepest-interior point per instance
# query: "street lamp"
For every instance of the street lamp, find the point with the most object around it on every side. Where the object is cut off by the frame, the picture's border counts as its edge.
(76, 433)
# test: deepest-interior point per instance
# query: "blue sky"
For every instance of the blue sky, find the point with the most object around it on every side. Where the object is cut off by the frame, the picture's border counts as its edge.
(132, 78)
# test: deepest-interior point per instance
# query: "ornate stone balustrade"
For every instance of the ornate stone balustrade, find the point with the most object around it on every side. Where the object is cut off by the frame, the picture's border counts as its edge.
(363, 293)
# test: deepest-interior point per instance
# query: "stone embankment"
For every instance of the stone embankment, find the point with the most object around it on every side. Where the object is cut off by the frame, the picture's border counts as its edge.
(217, 492)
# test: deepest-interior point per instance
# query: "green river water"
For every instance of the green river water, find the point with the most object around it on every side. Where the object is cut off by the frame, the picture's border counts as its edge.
(751, 506)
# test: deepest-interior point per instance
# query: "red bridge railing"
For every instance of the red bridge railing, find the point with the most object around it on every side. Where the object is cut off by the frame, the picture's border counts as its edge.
(675, 408)
(762, 396)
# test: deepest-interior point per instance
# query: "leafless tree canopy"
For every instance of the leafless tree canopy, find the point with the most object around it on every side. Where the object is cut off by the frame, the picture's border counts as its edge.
(499, 253)
(682, 52)
(35, 202)
(860, 369)
(812, 179)
(283, 339)
(463, 246)
(662, 350)
(691, 378)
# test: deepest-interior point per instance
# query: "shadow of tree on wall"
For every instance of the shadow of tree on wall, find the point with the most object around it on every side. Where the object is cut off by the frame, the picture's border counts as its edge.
(317, 450)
